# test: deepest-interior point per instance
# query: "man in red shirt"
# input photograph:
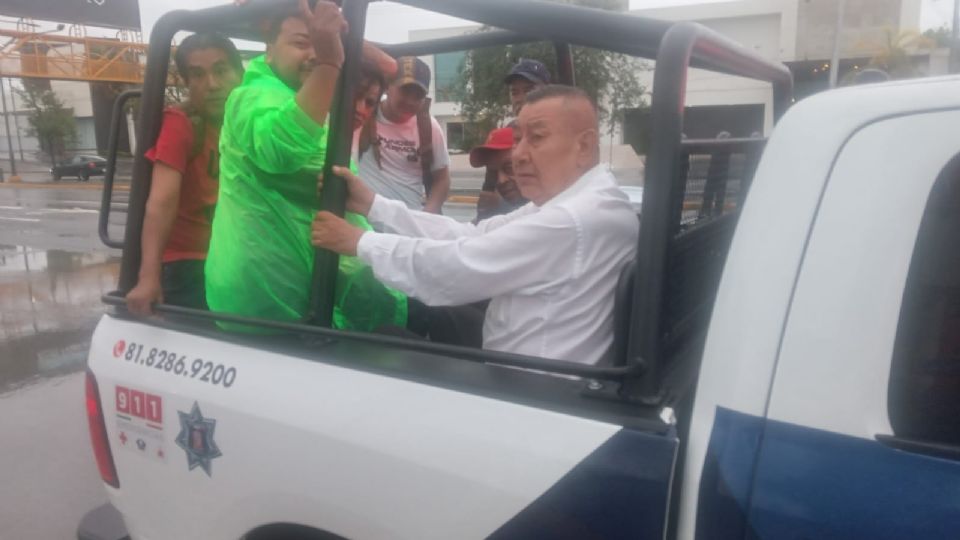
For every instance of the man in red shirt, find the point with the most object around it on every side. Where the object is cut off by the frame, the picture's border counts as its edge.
(495, 155)
(183, 191)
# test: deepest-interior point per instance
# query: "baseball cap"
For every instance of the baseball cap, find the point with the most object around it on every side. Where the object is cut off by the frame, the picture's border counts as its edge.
(412, 70)
(531, 70)
(497, 140)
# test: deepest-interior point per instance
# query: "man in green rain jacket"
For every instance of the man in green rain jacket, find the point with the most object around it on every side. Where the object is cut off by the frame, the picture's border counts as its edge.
(273, 145)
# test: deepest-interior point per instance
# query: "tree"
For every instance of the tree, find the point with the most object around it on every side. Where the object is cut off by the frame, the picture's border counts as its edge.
(896, 58)
(939, 37)
(49, 120)
(610, 78)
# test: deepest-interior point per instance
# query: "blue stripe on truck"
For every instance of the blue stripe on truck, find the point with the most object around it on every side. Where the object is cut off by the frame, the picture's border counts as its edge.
(811, 483)
(618, 491)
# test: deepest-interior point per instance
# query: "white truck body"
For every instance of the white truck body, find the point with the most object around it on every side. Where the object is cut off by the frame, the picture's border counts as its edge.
(358, 442)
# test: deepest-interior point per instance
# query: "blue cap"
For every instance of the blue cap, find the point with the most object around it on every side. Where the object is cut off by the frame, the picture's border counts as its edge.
(412, 70)
(531, 70)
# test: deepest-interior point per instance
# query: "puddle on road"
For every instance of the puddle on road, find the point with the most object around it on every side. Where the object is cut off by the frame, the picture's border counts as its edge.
(49, 305)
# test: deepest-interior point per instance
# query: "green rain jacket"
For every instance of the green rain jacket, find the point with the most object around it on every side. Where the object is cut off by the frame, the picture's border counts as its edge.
(260, 261)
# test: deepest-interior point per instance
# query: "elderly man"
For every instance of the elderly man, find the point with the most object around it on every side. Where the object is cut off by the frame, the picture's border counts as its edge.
(551, 266)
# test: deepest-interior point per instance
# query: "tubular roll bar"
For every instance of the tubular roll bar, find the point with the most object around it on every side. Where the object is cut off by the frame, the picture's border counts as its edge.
(112, 145)
(676, 47)
(491, 38)
(334, 193)
(664, 185)
(474, 355)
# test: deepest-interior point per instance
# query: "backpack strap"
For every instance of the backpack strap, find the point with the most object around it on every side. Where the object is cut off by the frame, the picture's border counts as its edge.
(425, 134)
(369, 139)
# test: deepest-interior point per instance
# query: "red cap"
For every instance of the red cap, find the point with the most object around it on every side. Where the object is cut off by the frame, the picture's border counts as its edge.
(498, 139)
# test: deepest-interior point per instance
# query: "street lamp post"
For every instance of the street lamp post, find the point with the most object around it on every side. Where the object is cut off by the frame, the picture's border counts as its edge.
(955, 41)
(835, 61)
(6, 122)
(16, 118)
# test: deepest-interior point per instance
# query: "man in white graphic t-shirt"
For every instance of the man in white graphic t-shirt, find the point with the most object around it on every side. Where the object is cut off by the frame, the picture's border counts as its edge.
(393, 165)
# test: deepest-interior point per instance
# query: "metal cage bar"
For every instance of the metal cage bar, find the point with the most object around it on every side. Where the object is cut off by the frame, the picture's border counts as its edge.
(103, 226)
(676, 47)
(473, 355)
(479, 40)
(333, 197)
(663, 188)
(151, 116)
(566, 71)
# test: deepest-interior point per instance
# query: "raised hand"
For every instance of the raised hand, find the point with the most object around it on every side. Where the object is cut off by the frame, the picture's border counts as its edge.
(325, 25)
(359, 196)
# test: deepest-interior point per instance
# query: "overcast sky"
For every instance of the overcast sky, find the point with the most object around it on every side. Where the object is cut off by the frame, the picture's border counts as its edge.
(390, 23)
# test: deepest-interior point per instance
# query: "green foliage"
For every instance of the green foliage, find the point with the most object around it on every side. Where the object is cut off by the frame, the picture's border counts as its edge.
(610, 78)
(939, 37)
(896, 57)
(49, 121)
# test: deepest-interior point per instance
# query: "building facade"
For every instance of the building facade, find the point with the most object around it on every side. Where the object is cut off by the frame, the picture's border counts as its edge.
(799, 33)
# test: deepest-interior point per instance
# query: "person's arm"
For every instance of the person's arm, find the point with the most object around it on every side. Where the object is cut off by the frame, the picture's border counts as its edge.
(161, 212)
(384, 62)
(488, 199)
(439, 190)
(394, 216)
(324, 24)
(487, 204)
(454, 272)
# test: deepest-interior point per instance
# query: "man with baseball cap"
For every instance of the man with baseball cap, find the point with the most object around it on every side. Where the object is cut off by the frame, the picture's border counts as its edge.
(495, 156)
(527, 75)
(400, 162)
(524, 77)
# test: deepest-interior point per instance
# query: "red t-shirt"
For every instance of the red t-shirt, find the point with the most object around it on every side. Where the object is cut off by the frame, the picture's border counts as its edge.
(190, 236)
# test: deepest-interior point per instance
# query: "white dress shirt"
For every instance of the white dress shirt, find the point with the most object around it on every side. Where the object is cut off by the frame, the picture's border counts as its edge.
(550, 271)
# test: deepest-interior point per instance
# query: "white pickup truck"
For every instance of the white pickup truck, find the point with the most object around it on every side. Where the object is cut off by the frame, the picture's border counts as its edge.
(787, 366)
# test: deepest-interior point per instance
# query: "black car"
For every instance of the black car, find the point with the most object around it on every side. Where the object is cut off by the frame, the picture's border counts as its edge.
(83, 167)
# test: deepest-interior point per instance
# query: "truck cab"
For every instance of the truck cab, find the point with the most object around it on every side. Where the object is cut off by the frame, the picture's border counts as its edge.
(786, 357)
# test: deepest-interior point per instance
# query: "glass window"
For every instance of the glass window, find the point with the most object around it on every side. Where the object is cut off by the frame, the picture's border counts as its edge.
(455, 136)
(925, 375)
(447, 69)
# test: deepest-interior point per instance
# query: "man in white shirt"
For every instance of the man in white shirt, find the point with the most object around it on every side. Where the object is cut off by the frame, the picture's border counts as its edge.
(551, 267)
(393, 167)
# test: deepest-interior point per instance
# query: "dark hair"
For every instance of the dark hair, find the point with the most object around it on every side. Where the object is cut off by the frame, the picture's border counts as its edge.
(272, 24)
(370, 75)
(558, 91)
(197, 42)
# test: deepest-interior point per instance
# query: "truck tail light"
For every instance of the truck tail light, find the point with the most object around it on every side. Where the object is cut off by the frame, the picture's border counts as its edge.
(92, 165)
(98, 433)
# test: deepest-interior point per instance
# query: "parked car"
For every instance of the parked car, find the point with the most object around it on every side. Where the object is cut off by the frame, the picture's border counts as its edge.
(83, 167)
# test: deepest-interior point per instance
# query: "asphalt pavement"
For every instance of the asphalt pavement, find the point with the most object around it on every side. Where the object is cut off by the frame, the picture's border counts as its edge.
(53, 270)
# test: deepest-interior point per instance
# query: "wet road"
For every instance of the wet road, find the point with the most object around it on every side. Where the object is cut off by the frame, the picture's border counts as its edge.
(53, 270)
